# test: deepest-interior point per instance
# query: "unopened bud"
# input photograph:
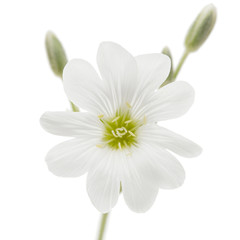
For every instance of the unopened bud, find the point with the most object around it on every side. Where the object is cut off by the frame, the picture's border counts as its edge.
(201, 28)
(56, 54)
(170, 78)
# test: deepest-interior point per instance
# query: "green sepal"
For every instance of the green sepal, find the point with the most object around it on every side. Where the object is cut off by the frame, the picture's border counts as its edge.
(170, 78)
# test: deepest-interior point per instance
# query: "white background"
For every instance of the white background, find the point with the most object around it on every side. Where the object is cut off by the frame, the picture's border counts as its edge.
(34, 204)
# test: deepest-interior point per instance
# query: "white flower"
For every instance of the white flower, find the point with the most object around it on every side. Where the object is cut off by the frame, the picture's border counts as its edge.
(117, 141)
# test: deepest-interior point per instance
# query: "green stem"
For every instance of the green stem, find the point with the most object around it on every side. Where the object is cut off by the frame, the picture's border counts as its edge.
(103, 226)
(182, 60)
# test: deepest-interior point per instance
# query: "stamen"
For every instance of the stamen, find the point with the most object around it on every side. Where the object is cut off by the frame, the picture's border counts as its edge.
(125, 130)
(115, 119)
(100, 116)
(111, 140)
(119, 145)
(127, 122)
(132, 134)
(99, 146)
(132, 129)
(105, 123)
(145, 119)
(128, 104)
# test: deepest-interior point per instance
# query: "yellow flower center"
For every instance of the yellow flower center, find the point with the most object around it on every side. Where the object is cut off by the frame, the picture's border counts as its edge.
(120, 131)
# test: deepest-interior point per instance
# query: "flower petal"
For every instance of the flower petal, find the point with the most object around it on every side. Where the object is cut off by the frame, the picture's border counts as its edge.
(153, 69)
(119, 69)
(148, 169)
(170, 101)
(139, 185)
(165, 138)
(70, 158)
(139, 195)
(73, 124)
(83, 86)
(103, 184)
(170, 171)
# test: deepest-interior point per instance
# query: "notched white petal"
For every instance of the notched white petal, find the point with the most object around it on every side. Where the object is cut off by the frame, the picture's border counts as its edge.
(171, 172)
(159, 168)
(139, 198)
(170, 101)
(103, 184)
(139, 181)
(70, 158)
(153, 69)
(119, 69)
(72, 124)
(83, 85)
(162, 137)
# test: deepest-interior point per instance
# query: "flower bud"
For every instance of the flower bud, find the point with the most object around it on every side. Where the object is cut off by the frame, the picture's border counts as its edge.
(56, 54)
(201, 28)
(170, 78)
